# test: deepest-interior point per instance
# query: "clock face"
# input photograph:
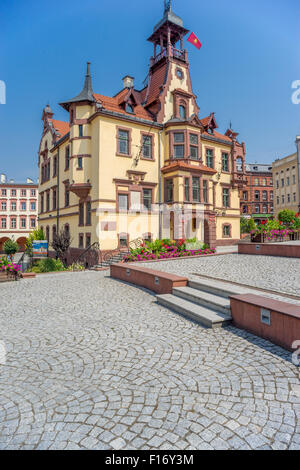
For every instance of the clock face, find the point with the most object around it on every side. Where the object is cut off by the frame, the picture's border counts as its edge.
(179, 74)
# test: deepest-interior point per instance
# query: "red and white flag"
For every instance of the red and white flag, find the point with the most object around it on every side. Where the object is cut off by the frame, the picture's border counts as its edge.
(195, 41)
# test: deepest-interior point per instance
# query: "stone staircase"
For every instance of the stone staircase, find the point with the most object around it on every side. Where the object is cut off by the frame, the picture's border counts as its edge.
(116, 258)
(205, 301)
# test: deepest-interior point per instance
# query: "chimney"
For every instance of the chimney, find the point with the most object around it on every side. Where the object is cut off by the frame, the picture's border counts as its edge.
(128, 81)
(11, 181)
(2, 178)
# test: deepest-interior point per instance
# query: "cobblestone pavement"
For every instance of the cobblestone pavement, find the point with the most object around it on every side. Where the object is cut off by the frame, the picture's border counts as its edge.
(266, 272)
(93, 363)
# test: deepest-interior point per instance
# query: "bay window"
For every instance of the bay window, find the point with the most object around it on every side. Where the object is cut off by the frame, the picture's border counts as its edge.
(194, 146)
(169, 190)
(178, 144)
(196, 188)
(186, 189)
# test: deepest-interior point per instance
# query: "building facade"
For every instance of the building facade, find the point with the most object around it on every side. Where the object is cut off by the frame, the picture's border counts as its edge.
(141, 163)
(257, 197)
(286, 182)
(18, 211)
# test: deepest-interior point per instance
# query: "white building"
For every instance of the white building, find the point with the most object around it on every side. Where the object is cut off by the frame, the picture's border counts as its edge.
(18, 210)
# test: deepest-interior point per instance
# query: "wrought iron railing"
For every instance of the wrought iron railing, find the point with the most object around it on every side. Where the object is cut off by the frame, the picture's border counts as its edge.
(89, 257)
(176, 53)
(135, 244)
(118, 254)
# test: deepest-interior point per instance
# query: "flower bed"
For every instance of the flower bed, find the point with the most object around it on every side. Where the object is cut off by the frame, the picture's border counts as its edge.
(9, 271)
(285, 228)
(167, 249)
(274, 235)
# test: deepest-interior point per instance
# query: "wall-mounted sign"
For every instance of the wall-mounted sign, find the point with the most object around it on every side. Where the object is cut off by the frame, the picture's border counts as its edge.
(40, 248)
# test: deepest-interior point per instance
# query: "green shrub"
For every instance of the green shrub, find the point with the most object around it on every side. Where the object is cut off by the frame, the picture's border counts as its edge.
(247, 225)
(286, 216)
(48, 265)
(76, 267)
(10, 247)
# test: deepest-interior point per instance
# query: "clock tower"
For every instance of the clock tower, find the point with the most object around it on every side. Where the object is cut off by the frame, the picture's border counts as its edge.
(169, 93)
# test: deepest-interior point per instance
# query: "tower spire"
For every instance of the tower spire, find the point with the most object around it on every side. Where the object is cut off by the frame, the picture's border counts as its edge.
(168, 6)
(86, 93)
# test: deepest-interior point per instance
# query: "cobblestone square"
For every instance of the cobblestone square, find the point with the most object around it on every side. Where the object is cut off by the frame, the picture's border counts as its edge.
(93, 363)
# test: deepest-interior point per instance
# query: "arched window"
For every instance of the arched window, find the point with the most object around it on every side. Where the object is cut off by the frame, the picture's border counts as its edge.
(67, 230)
(53, 232)
(182, 111)
(47, 233)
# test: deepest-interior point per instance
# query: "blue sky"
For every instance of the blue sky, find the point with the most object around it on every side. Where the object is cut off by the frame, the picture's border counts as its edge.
(244, 71)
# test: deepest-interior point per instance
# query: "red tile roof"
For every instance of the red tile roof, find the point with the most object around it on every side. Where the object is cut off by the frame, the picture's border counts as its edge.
(156, 81)
(218, 136)
(205, 121)
(112, 104)
(60, 126)
(180, 165)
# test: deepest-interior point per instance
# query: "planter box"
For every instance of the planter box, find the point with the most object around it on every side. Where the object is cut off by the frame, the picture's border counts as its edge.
(28, 275)
(5, 277)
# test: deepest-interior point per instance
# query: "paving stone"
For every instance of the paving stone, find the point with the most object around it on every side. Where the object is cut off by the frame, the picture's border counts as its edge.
(118, 443)
(110, 369)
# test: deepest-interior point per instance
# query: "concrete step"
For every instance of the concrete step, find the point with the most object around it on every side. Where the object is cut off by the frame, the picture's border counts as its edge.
(215, 287)
(198, 313)
(211, 301)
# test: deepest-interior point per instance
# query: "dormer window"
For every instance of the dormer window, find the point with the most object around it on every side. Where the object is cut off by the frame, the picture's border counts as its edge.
(210, 130)
(129, 108)
(182, 111)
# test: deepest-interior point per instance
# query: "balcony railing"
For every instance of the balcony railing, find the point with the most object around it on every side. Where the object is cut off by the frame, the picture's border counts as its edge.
(175, 53)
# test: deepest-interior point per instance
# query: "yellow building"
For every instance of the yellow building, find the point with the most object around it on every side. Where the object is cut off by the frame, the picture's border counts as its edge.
(286, 182)
(141, 163)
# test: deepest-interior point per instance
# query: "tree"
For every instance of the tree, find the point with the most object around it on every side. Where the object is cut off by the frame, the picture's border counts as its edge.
(287, 216)
(247, 225)
(37, 234)
(61, 244)
(10, 247)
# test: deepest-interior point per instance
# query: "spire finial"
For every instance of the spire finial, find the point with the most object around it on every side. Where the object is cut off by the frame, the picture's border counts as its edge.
(168, 5)
(88, 69)
(87, 87)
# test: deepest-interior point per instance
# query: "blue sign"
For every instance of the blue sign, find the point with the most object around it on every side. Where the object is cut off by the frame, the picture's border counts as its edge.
(40, 248)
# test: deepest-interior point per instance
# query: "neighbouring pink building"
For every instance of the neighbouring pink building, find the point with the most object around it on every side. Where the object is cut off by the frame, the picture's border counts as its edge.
(18, 210)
